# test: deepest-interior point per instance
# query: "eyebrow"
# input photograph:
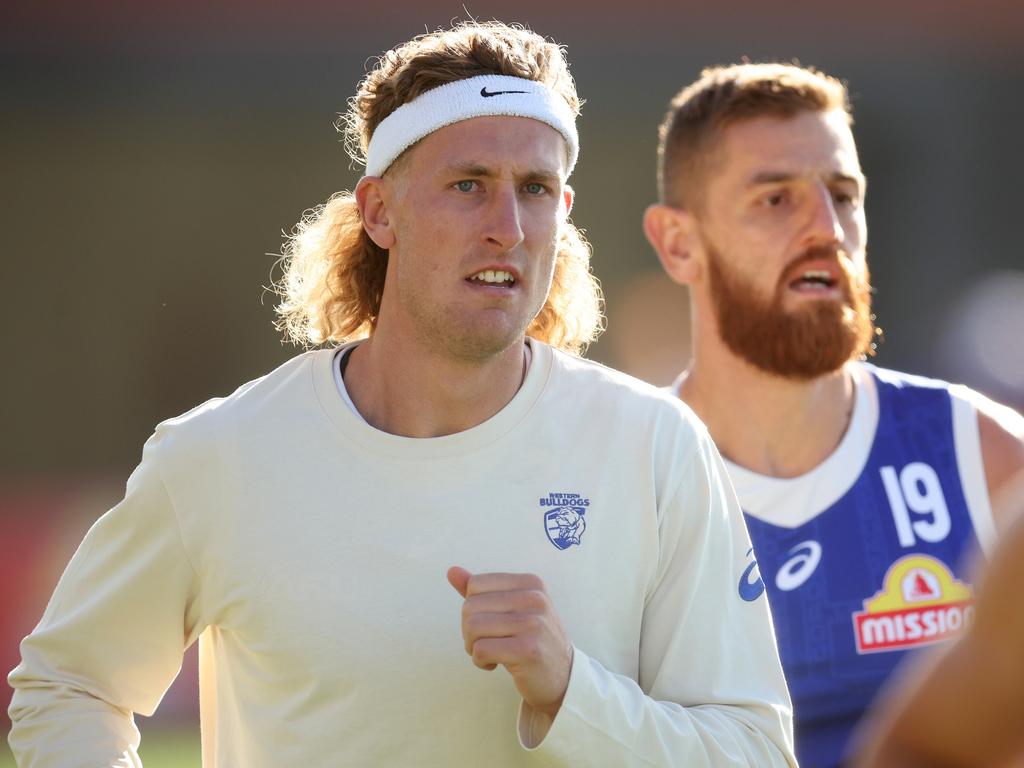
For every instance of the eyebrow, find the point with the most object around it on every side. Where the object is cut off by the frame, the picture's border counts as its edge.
(776, 177)
(473, 170)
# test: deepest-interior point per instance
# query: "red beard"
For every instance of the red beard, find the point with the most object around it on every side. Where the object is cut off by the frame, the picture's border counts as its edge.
(803, 344)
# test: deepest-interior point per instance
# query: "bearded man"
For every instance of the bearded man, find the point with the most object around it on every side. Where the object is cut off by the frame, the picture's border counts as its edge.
(863, 488)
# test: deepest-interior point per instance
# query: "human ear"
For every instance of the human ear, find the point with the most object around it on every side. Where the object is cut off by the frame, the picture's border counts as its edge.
(569, 195)
(671, 232)
(372, 199)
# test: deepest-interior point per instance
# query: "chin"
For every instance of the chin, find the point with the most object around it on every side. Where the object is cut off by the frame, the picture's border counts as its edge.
(482, 346)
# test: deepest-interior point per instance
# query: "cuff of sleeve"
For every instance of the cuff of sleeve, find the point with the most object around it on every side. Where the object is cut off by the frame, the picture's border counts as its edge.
(539, 733)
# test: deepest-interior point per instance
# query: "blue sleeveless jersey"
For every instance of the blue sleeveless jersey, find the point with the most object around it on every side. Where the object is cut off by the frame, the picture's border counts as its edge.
(864, 558)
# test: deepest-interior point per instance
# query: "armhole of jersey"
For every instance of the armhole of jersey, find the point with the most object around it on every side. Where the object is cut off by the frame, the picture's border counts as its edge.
(972, 470)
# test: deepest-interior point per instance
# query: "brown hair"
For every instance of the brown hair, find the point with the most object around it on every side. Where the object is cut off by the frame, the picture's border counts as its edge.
(334, 273)
(725, 95)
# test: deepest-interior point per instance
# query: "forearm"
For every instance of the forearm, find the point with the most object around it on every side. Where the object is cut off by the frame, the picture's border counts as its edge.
(607, 719)
(54, 724)
(111, 639)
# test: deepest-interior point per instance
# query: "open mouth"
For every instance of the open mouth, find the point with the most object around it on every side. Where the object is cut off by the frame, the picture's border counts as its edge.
(498, 278)
(814, 280)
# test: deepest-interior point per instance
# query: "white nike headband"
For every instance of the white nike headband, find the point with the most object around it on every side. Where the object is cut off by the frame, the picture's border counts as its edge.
(462, 100)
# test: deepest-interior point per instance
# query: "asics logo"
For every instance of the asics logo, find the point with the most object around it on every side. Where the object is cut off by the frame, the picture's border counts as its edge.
(804, 559)
(751, 585)
(487, 94)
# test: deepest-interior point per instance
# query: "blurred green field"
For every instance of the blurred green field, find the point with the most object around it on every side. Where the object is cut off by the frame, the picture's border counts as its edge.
(159, 749)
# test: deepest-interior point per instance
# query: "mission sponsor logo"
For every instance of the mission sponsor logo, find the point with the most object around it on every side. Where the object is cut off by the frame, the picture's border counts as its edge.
(564, 518)
(921, 602)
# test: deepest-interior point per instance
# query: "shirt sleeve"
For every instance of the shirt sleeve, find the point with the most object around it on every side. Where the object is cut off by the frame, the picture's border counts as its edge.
(112, 637)
(711, 691)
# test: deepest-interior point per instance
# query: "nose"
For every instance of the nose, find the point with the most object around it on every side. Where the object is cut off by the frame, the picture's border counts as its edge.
(824, 226)
(503, 226)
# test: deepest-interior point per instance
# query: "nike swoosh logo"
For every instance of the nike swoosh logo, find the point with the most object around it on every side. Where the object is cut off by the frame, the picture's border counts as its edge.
(487, 94)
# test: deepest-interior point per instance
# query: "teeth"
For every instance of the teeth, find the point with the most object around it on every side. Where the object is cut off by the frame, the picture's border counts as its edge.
(493, 276)
(816, 274)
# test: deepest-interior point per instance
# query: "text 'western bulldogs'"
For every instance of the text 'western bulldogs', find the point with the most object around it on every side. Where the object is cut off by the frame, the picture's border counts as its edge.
(564, 499)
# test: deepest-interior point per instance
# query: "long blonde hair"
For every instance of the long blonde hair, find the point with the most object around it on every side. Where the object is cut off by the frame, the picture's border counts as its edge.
(334, 273)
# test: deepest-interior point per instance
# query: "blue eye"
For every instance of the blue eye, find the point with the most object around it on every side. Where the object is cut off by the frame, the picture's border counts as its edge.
(465, 186)
(535, 188)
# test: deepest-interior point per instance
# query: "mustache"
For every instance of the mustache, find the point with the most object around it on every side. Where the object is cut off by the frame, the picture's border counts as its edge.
(818, 252)
(852, 280)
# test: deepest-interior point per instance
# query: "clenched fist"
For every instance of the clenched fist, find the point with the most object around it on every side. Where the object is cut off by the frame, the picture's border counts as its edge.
(508, 619)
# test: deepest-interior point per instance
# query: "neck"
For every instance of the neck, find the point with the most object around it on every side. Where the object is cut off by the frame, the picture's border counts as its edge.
(406, 390)
(766, 423)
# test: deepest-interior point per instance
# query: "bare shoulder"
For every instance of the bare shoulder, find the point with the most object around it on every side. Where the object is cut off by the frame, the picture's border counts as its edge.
(999, 591)
(1001, 432)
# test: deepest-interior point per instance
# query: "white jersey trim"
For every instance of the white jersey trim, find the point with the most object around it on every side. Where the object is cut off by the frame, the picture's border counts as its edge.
(791, 502)
(967, 441)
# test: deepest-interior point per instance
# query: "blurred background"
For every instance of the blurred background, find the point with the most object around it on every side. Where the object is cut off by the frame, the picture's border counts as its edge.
(152, 153)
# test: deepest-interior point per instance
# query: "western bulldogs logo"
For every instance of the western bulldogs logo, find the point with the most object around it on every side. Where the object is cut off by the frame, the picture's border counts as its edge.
(565, 523)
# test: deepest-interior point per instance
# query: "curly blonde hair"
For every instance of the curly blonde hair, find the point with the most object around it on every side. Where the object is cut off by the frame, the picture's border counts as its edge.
(334, 273)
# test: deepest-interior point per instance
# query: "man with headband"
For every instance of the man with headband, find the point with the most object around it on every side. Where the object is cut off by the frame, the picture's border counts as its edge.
(303, 527)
